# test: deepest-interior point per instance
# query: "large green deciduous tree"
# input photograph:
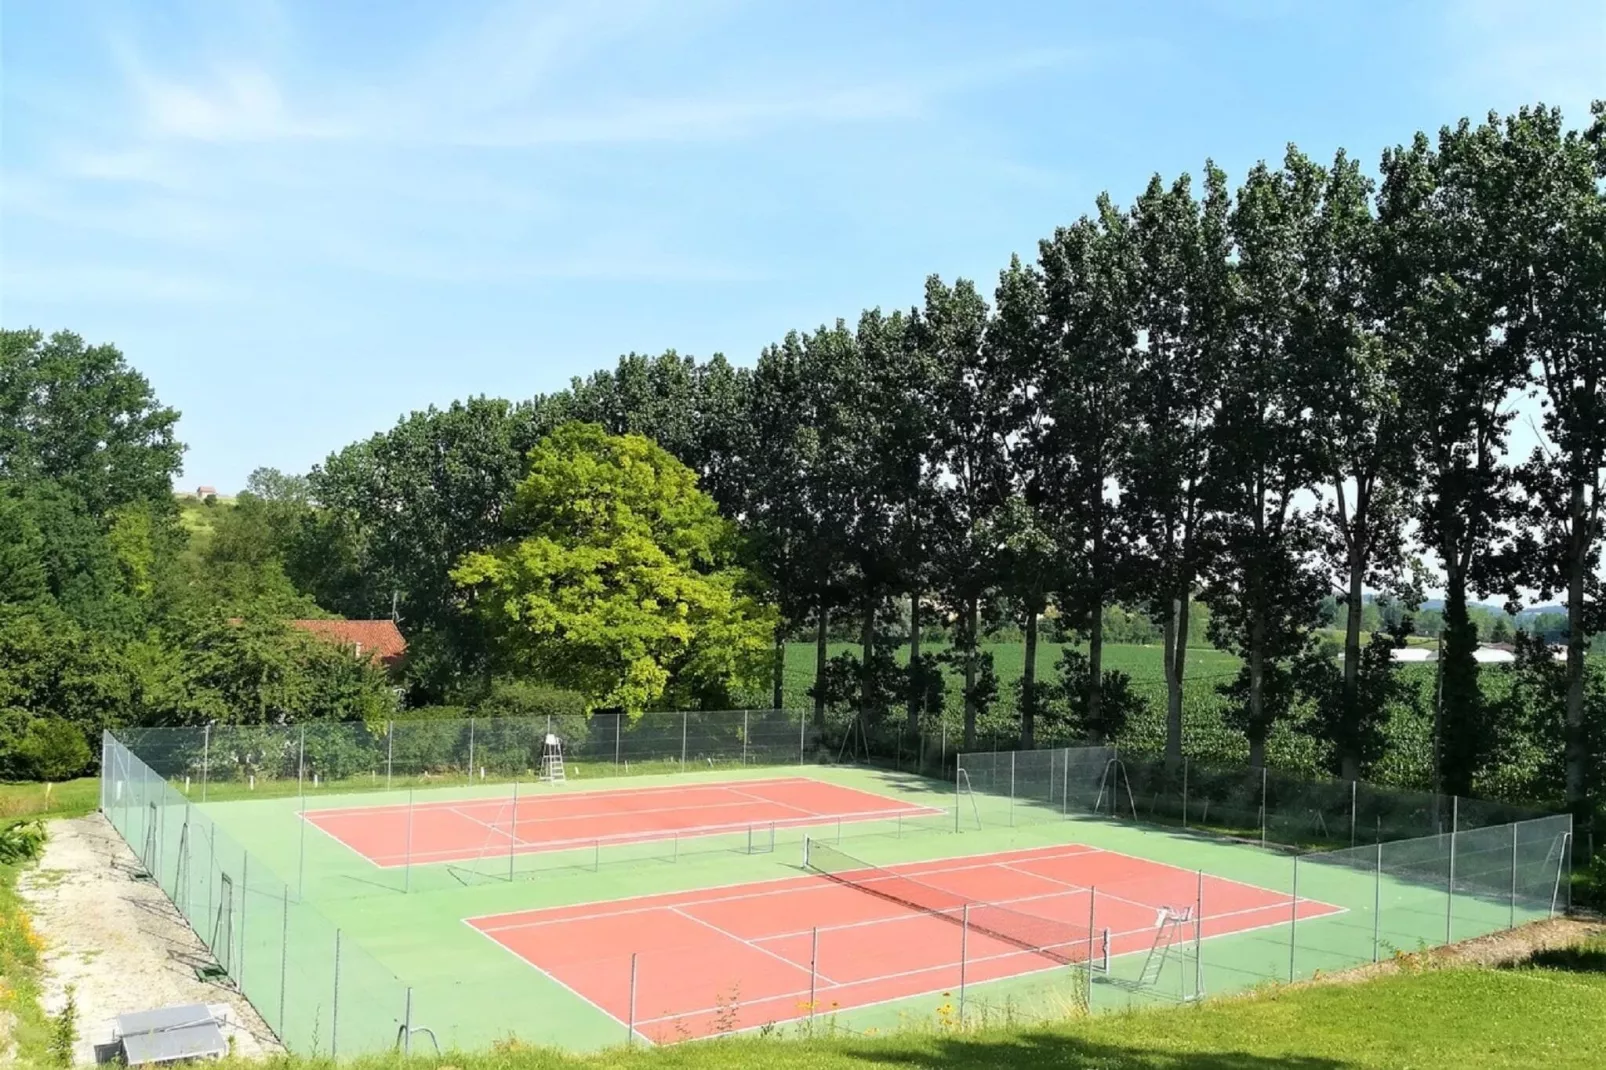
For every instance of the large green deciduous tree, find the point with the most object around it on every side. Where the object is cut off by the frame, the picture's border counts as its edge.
(79, 416)
(620, 581)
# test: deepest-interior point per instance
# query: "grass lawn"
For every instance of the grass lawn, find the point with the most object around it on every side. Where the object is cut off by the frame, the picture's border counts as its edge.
(1551, 1014)
(72, 798)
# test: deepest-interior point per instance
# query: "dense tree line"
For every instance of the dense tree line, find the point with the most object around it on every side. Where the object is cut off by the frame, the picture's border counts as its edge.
(1218, 408)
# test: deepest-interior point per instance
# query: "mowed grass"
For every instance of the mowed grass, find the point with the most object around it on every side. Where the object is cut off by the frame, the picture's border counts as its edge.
(1551, 1014)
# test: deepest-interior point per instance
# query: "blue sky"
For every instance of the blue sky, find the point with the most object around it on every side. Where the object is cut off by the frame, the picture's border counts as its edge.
(301, 220)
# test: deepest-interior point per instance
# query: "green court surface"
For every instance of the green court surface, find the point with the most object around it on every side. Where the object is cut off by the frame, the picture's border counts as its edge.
(337, 952)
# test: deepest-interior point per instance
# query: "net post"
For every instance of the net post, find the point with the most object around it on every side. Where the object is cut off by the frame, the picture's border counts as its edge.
(1449, 887)
(407, 857)
(964, 954)
(334, 1014)
(407, 1023)
(1377, 899)
(805, 852)
(206, 757)
(390, 751)
(1512, 922)
(630, 1037)
(284, 954)
(1293, 922)
(839, 831)
(596, 857)
(814, 967)
(513, 826)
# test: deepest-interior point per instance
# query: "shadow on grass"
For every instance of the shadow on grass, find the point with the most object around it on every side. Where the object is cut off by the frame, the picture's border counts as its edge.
(1030, 1051)
(1588, 957)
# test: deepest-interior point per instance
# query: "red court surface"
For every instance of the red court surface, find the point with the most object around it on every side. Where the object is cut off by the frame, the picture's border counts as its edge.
(726, 959)
(550, 821)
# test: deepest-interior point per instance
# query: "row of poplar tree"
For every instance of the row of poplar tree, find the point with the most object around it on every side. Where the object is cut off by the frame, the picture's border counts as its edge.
(1254, 396)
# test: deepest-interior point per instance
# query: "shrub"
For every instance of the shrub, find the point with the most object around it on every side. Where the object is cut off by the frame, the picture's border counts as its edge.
(53, 749)
(21, 841)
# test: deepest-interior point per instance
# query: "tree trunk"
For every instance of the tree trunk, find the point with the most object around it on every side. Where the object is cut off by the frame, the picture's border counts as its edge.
(1028, 684)
(778, 680)
(972, 632)
(1349, 736)
(915, 696)
(1095, 670)
(866, 651)
(1577, 754)
(823, 624)
(1461, 713)
(1257, 696)
(1175, 637)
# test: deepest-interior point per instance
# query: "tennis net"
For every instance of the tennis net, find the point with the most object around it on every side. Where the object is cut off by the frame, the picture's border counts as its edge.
(1063, 942)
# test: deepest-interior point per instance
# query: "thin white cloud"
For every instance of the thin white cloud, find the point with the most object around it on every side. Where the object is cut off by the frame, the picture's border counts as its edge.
(1516, 52)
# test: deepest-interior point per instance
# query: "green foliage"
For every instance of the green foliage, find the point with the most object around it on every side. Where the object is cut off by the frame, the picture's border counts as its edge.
(1068, 714)
(21, 841)
(64, 1032)
(623, 585)
(53, 749)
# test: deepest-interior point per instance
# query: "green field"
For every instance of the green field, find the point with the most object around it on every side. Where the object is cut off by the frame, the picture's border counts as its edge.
(402, 929)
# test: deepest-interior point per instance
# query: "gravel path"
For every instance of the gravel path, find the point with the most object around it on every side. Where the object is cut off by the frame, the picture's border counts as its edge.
(119, 943)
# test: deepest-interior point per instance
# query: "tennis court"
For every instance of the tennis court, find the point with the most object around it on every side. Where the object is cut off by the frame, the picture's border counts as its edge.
(464, 830)
(851, 935)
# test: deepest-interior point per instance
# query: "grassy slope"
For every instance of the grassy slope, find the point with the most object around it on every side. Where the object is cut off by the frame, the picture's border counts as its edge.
(72, 798)
(1550, 1016)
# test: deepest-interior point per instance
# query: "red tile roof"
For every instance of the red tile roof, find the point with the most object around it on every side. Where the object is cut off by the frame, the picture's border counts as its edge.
(379, 639)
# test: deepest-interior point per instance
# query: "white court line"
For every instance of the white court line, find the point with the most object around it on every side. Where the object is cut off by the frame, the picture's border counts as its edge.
(807, 883)
(743, 940)
(691, 785)
(773, 802)
(566, 987)
(644, 836)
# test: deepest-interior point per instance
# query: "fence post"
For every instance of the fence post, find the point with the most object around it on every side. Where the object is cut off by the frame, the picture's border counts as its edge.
(1263, 815)
(513, 826)
(1092, 895)
(1293, 922)
(1449, 888)
(1198, 938)
(802, 736)
(618, 736)
(407, 1023)
(959, 770)
(245, 908)
(334, 1014)
(1011, 789)
(471, 750)
(1512, 924)
(390, 750)
(814, 967)
(684, 716)
(1352, 812)
(284, 956)
(206, 757)
(1184, 791)
(407, 858)
(1377, 898)
(964, 953)
(630, 1037)
(1065, 786)
(744, 739)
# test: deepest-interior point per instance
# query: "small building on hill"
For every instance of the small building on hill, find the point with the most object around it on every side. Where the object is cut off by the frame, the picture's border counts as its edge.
(377, 640)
